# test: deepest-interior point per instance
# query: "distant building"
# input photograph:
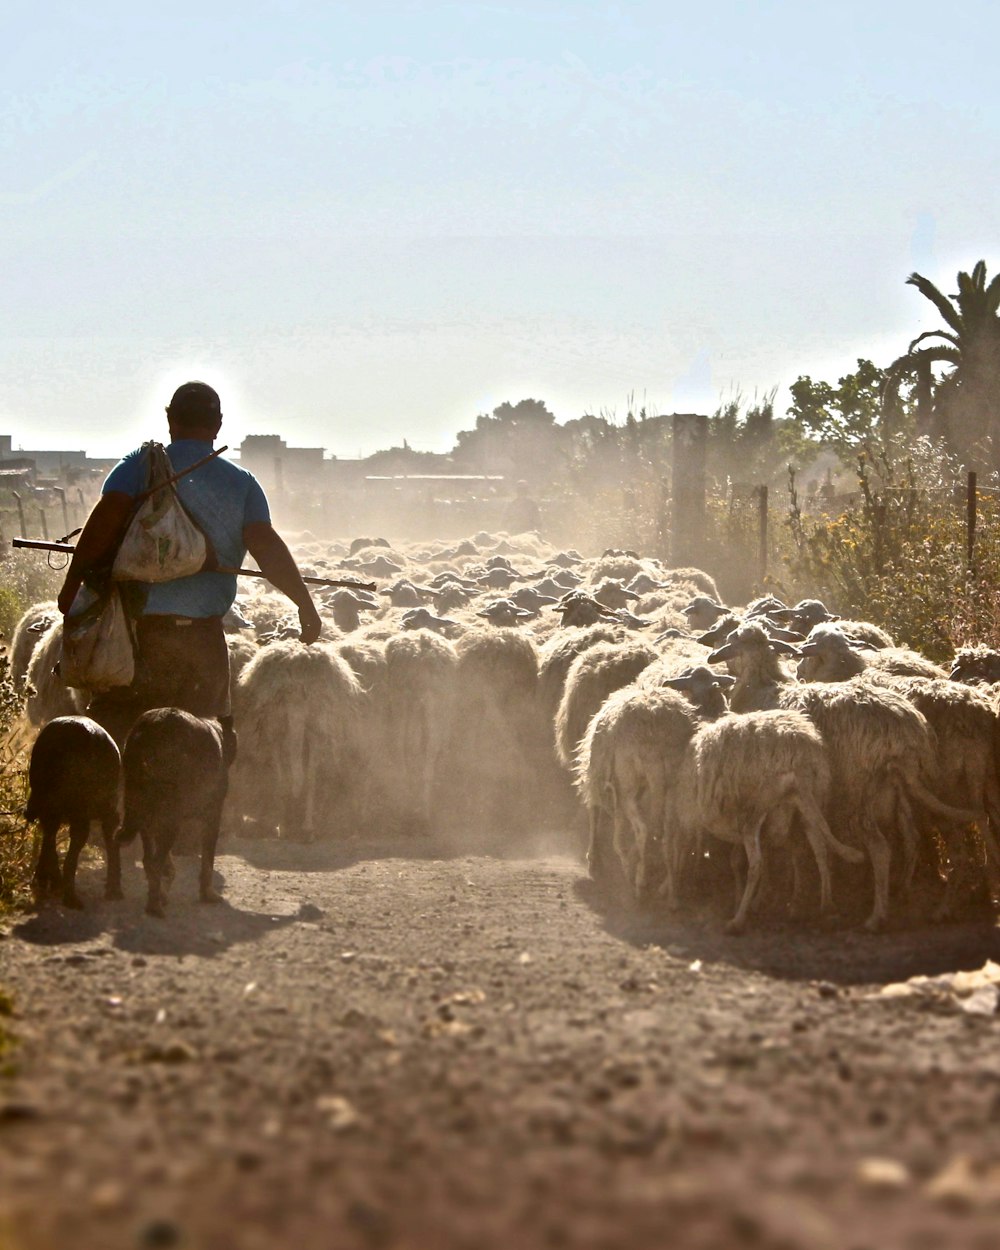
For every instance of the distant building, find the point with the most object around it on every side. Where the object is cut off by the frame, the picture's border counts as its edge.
(279, 467)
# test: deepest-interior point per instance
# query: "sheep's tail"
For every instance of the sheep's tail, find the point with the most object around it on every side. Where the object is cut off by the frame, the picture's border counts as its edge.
(811, 811)
(916, 790)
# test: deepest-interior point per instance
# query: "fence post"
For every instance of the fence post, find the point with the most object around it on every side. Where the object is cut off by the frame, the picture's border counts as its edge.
(45, 524)
(970, 521)
(762, 533)
(20, 514)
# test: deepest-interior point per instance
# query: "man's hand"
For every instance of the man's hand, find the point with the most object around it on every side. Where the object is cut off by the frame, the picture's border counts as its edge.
(309, 623)
(276, 563)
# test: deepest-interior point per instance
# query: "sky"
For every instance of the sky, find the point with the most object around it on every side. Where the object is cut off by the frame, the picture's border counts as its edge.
(365, 222)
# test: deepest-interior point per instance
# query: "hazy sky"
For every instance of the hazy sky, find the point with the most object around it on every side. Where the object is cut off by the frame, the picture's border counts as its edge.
(366, 222)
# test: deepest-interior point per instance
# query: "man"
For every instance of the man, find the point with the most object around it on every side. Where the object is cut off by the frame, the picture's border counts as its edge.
(181, 655)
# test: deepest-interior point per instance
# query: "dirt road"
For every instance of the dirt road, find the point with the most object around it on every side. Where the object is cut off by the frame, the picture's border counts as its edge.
(409, 1051)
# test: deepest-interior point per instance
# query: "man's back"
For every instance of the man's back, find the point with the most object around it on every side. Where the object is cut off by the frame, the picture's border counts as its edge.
(223, 499)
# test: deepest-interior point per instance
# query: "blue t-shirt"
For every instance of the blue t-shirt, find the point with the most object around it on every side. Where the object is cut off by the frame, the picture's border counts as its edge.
(222, 498)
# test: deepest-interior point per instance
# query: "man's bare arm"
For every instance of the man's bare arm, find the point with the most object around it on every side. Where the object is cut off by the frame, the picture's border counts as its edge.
(275, 561)
(101, 535)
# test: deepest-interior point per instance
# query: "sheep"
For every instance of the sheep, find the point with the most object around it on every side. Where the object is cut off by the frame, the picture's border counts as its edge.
(808, 613)
(830, 655)
(175, 773)
(593, 675)
(74, 777)
(346, 606)
(965, 728)
(751, 656)
(703, 689)
(577, 608)
(296, 711)
(881, 754)
(497, 738)
(420, 692)
(625, 764)
(557, 655)
(743, 779)
(504, 614)
(977, 665)
(613, 594)
(421, 618)
(702, 612)
(27, 635)
(48, 695)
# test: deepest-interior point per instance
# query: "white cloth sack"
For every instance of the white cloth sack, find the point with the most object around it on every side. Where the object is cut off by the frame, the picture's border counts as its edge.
(97, 650)
(162, 542)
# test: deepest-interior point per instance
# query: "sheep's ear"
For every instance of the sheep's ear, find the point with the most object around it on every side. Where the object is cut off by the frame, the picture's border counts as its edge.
(721, 654)
(683, 682)
(782, 648)
(859, 644)
(724, 680)
(808, 648)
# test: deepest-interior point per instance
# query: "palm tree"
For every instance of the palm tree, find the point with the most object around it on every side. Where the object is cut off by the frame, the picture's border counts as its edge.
(963, 405)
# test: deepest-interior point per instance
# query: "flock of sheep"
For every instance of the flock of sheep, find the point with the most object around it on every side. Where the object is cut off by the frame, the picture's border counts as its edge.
(491, 685)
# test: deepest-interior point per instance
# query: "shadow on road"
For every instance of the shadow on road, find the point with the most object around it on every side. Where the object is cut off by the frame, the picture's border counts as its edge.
(190, 927)
(843, 956)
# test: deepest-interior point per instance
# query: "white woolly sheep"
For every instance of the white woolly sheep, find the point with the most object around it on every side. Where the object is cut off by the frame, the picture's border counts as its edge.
(626, 762)
(965, 728)
(27, 635)
(830, 655)
(746, 778)
(557, 655)
(976, 665)
(593, 675)
(881, 754)
(48, 694)
(751, 655)
(419, 693)
(497, 739)
(296, 711)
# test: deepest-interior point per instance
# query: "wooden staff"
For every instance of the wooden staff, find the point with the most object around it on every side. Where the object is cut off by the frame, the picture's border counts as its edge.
(67, 549)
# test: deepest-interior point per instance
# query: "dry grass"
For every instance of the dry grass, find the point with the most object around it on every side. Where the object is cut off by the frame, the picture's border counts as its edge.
(17, 839)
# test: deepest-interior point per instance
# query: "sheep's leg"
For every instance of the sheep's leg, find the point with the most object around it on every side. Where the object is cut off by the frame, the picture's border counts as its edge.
(158, 865)
(751, 844)
(879, 856)
(597, 851)
(113, 856)
(738, 863)
(48, 875)
(210, 837)
(814, 835)
(910, 837)
(79, 832)
(640, 845)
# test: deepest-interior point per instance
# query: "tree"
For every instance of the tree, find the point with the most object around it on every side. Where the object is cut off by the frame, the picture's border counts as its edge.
(519, 439)
(851, 416)
(963, 405)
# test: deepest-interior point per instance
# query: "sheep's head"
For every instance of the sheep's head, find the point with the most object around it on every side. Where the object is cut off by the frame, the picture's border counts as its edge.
(703, 688)
(703, 612)
(613, 594)
(578, 608)
(976, 666)
(750, 648)
(828, 654)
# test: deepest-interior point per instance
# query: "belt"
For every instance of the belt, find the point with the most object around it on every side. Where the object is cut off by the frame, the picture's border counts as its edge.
(179, 622)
